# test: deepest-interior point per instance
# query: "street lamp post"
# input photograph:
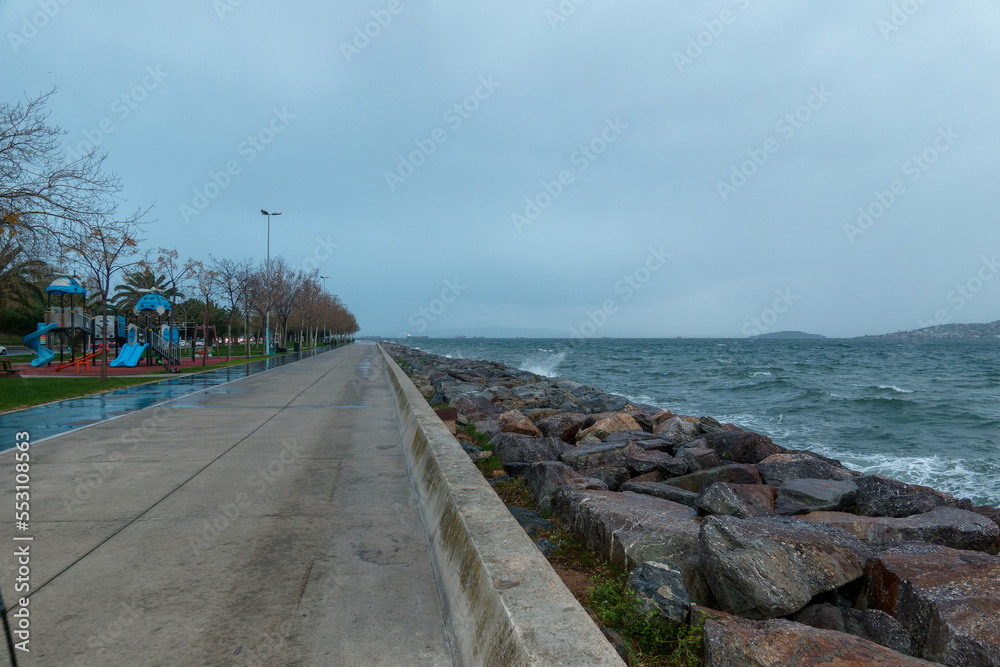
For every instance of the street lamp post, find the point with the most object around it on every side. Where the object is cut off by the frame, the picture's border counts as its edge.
(267, 312)
(324, 322)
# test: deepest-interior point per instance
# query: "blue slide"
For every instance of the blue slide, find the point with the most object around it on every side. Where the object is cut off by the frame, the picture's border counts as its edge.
(130, 355)
(33, 340)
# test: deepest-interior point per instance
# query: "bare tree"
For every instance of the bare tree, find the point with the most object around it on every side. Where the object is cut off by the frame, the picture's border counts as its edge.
(207, 284)
(104, 248)
(232, 286)
(42, 192)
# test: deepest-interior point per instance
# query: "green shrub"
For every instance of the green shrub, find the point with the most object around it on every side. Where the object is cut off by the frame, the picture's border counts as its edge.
(655, 640)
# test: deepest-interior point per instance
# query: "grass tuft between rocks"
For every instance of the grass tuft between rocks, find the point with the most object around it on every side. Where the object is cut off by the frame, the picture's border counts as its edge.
(652, 640)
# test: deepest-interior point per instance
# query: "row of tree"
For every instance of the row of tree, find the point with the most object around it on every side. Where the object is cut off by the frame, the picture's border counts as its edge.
(63, 215)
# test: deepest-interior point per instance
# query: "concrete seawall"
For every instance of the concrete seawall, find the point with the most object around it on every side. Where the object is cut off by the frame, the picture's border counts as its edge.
(503, 603)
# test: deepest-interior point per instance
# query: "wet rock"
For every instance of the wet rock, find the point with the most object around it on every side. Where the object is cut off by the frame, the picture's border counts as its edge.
(780, 468)
(490, 427)
(664, 491)
(629, 529)
(770, 567)
(606, 427)
(563, 426)
(598, 455)
(543, 413)
(698, 456)
(544, 478)
(627, 435)
(993, 514)
(958, 529)
(545, 546)
(613, 478)
(532, 522)
(871, 624)
(476, 408)
(662, 416)
(740, 500)
(731, 641)
(514, 448)
(947, 598)
(654, 476)
(741, 447)
(677, 430)
(515, 422)
(881, 496)
(800, 496)
(735, 473)
(711, 425)
(660, 588)
(644, 421)
(639, 462)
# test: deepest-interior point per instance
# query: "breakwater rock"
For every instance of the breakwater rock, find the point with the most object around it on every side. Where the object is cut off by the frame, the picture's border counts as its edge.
(789, 556)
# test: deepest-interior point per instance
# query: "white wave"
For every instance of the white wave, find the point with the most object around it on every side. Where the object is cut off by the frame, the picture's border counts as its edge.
(762, 373)
(952, 475)
(546, 366)
(895, 389)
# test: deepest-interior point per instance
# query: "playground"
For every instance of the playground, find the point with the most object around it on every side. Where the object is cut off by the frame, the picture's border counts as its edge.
(151, 341)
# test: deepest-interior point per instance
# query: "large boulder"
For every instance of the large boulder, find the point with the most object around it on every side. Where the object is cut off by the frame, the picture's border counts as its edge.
(698, 455)
(678, 430)
(605, 427)
(629, 529)
(779, 468)
(871, 624)
(639, 462)
(799, 496)
(563, 425)
(947, 598)
(741, 446)
(598, 455)
(702, 479)
(955, 528)
(660, 588)
(514, 448)
(770, 567)
(545, 477)
(731, 641)
(740, 500)
(515, 422)
(882, 496)
(476, 408)
(659, 490)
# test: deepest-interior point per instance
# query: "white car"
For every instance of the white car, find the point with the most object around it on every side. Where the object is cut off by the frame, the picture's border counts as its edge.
(3, 350)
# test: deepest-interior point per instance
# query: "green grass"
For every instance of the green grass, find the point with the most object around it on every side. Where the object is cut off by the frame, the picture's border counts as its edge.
(516, 492)
(478, 438)
(487, 466)
(18, 392)
(24, 392)
(655, 641)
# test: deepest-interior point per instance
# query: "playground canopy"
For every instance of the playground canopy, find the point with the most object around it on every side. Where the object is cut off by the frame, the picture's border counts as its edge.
(66, 285)
(152, 303)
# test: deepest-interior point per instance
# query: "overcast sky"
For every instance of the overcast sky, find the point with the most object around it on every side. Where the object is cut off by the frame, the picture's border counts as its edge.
(652, 168)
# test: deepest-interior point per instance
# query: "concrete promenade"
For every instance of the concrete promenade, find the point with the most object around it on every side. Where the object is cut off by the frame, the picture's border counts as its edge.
(269, 521)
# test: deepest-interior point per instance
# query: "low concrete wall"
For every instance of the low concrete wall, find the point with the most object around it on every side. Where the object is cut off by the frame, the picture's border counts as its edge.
(504, 605)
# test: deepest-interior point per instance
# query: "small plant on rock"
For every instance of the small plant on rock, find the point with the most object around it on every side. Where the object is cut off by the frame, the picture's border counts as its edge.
(654, 640)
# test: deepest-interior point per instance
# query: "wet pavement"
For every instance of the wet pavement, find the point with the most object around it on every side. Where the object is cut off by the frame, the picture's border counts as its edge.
(52, 419)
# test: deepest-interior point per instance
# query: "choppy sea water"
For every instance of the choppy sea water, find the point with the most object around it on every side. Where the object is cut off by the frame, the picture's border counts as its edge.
(922, 412)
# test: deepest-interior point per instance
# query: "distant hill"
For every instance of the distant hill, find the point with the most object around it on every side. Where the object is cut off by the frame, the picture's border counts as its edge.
(988, 330)
(799, 335)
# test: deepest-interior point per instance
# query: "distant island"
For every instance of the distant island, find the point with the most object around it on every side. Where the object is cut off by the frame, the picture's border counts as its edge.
(795, 335)
(988, 330)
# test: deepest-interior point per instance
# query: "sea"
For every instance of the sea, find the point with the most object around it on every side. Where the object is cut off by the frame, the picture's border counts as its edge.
(921, 411)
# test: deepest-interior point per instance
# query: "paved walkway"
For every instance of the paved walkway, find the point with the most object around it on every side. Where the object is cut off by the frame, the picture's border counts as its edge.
(265, 522)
